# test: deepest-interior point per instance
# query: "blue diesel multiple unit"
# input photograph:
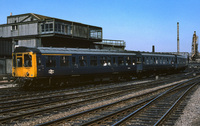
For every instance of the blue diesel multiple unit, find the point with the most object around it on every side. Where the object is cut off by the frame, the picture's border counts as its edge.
(59, 66)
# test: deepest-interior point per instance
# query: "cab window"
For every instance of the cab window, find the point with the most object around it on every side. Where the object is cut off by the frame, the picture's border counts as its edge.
(19, 61)
(27, 60)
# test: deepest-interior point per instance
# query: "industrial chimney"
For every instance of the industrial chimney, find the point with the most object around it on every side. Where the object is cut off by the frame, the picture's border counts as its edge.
(153, 49)
(178, 38)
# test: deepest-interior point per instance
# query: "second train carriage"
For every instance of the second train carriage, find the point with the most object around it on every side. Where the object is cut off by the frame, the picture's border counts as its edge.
(33, 66)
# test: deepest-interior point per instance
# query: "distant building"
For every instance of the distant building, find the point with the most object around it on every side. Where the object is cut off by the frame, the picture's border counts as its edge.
(37, 30)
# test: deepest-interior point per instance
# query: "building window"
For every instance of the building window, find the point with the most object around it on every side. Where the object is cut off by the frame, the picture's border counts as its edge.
(47, 27)
(51, 27)
(14, 27)
(59, 27)
(42, 27)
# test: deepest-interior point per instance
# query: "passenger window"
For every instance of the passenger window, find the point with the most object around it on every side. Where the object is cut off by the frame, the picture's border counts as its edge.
(27, 60)
(103, 61)
(134, 61)
(19, 62)
(147, 60)
(74, 61)
(14, 60)
(93, 60)
(64, 61)
(128, 61)
(115, 61)
(39, 62)
(161, 61)
(143, 59)
(138, 60)
(109, 61)
(82, 61)
(120, 61)
(50, 61)
(156, 60)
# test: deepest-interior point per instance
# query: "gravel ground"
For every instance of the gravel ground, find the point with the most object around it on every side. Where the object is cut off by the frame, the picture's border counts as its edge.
(6, 84)
(84, 108)
(191, 113)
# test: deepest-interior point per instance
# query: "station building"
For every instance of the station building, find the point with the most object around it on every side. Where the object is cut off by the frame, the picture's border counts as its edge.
(34, 30)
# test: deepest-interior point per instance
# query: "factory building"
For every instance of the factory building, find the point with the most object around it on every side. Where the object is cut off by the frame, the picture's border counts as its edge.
(34, 30)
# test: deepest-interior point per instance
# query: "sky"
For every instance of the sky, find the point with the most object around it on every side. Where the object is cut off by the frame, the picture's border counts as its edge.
(140, 23)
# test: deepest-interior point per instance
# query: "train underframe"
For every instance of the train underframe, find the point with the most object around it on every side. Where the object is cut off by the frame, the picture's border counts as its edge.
(72, 80)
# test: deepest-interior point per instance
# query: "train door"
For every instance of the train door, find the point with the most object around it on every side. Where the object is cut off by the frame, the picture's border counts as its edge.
(40, 65)
(74, 65)
(139, 63)
(17, 65)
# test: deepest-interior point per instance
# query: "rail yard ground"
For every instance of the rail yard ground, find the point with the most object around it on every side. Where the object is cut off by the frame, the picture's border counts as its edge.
(16, 102)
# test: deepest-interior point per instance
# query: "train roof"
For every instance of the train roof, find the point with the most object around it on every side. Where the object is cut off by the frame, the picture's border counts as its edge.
(52, 50)
(158, 54)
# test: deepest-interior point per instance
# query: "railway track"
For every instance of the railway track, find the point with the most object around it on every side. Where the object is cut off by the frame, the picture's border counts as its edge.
(112, 115)
(16, 111)
(7, 109)
(156, 111)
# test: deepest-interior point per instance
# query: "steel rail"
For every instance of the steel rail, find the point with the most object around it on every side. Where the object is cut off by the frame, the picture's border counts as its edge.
(31, 105)
(173, 106)
(144, 106)
(84, 112)
(60, 106)
(106, 117)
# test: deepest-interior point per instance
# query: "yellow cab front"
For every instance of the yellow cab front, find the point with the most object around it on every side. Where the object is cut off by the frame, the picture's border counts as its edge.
(24, 65)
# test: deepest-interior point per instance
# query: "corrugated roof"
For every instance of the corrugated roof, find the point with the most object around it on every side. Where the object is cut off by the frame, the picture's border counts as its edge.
(40, 17)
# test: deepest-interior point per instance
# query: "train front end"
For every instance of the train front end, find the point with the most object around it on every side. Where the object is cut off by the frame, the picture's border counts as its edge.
(24, 67)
